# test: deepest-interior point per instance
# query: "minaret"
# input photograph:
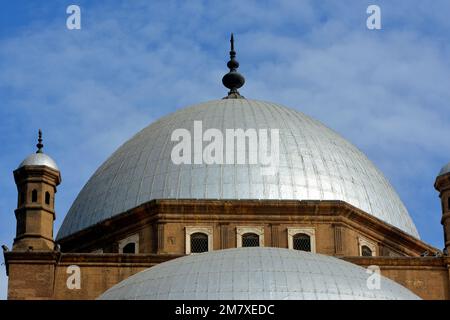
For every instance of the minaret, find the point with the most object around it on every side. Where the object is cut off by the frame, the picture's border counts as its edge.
(442, 185)
(36, 179)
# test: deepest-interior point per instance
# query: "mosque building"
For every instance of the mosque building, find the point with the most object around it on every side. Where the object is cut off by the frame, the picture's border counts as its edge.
(147, 227)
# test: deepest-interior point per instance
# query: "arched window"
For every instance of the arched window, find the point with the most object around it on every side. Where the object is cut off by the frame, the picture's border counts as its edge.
(302, 238)
(129, 244)
(302, 242)
(448, 204)
(366, 251)
(34, 195)
(249, 236)
(250, 240)
(47, 198)
(198, 239)
(129, 248)
(199, 242)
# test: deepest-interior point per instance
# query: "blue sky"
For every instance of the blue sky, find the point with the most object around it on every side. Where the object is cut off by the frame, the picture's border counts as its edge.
(90, 90)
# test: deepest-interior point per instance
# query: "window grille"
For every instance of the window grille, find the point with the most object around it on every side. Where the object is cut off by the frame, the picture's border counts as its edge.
(199, 242)
(366, 251)
(250, 240)
(302, 242)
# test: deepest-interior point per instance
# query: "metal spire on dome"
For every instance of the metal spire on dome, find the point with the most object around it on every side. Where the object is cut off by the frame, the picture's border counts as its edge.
(233, 80)
(39, 145)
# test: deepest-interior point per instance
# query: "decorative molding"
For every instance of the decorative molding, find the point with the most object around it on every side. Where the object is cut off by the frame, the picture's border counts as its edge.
(311, 232)
(196, 229)
(160, 237)
(224, 228)
(338, 239)
(275, 235)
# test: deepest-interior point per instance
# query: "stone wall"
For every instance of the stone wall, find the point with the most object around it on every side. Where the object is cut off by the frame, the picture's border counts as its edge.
(44, 275)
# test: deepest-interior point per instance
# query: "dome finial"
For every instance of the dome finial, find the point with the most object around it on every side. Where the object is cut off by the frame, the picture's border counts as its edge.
(233, 80)
(39, 145)
(232, 43)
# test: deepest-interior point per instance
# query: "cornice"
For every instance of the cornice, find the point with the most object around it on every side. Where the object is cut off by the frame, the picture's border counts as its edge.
(259, 211)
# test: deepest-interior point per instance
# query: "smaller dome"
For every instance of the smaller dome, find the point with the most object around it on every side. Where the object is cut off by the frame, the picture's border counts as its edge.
(261, 273)
(39, 159)
(445, 169)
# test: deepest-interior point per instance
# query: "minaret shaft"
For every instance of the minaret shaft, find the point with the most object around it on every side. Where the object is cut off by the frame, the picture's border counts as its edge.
(443, 186)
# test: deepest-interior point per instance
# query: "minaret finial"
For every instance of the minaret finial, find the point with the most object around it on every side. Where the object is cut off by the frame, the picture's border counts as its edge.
(39, 145)
(232, 42)
(233, 80)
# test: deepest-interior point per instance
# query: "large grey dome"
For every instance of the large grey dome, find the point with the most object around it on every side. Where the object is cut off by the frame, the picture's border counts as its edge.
(256, 274)
(315, 164)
